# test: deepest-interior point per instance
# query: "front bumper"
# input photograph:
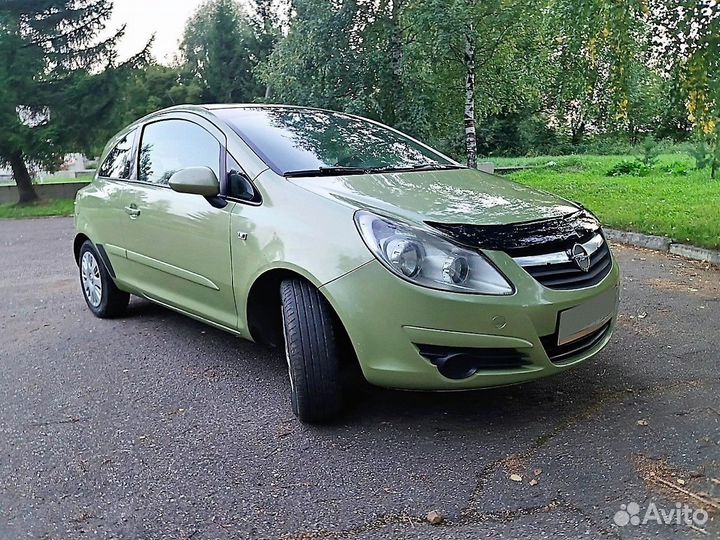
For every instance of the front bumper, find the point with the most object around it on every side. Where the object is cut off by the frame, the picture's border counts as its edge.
(387, 318)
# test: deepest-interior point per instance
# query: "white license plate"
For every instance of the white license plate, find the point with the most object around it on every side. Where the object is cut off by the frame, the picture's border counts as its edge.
(584, 319)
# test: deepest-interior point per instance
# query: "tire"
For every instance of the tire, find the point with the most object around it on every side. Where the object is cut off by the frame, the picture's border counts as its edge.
(101, 294)
(311, 351)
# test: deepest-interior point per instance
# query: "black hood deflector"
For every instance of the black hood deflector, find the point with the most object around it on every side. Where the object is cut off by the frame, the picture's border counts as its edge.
(528, 238)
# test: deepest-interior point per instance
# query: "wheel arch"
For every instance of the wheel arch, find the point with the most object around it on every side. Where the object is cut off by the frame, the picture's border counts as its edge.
(80, 239)
(264, 319)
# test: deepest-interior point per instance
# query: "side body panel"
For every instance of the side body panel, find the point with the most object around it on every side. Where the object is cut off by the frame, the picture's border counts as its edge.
(100, 215)
(293, 229)
(178, 252)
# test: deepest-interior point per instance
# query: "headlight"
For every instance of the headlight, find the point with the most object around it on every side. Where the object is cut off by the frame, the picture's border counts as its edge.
(427, 259)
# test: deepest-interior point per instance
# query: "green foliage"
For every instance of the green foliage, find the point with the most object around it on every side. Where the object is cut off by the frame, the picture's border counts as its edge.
(158, 87)
(516, 134)
(651, 151)
(674, 168)
(402, 62)
(600, 79)
(701, 153)
(320, 61)
(551, 77)
(690, 44)
(222, 47)
(628, 167)
(58, 81)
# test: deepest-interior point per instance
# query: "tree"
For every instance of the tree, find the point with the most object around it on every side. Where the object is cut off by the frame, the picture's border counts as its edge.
(689, 43)
(472, 59)
(320, 62)
(222, 47)
(56, 81)
(428, 67)
(600, 50)
(157, 87)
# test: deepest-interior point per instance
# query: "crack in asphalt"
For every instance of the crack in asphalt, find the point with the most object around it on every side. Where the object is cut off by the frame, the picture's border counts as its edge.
(471, 515)
(409, 520)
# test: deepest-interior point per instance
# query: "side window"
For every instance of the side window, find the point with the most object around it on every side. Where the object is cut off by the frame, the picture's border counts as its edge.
(235, 187)
(118, 163)
(170, 145)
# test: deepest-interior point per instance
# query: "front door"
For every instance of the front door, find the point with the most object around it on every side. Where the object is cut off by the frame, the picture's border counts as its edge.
(178, 244)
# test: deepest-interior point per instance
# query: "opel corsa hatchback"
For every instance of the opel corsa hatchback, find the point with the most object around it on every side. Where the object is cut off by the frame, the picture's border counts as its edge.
(349, 244)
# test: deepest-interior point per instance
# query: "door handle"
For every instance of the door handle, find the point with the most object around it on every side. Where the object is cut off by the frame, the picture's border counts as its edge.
(132, 211)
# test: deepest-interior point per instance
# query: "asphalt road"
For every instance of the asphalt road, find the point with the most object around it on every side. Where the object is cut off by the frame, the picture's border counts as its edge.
(155, 426)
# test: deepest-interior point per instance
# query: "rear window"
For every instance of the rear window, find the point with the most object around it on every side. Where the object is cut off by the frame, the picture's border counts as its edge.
(291, 139)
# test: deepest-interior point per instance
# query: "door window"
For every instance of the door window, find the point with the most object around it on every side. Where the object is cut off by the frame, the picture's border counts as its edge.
(170, 145)
(118, 163)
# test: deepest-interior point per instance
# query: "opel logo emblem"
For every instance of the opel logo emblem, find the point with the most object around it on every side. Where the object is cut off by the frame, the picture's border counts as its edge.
(581, 257)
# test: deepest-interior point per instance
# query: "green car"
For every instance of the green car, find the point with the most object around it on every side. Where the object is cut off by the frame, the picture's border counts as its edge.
(348, 243)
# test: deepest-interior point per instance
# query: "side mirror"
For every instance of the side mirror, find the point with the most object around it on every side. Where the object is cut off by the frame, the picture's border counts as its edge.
(240, 186)
(195, 180)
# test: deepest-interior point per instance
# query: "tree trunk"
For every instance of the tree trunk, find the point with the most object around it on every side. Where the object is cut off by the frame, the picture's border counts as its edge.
(396, 42)
(470, 134)
(632, 132)
(22, 179)
(578, 132)
(393, 91)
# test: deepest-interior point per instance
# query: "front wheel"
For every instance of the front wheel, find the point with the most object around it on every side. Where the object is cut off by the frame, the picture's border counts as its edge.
(311, 351)
(101, 295)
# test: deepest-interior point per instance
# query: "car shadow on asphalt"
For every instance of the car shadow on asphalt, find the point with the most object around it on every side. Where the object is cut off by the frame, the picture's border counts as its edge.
(560, 398)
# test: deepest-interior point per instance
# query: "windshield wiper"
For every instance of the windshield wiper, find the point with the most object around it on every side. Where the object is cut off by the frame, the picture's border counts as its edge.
(426, 167)
(339, 170)
(327, 171)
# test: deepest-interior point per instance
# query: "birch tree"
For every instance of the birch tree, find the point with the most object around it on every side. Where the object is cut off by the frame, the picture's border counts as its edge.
(475, 58)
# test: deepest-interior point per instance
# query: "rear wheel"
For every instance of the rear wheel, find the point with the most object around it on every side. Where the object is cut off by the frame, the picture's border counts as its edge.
(312, 352)
(101, 295)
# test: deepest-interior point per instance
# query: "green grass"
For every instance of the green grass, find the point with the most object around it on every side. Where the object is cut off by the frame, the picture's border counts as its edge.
(50, 181)
(684, 207)
(59, 207)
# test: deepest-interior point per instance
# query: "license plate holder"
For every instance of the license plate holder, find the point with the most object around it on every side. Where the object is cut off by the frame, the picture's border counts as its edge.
(586, 318)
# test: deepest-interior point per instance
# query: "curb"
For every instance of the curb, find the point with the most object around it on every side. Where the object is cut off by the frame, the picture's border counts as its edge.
(664, 244)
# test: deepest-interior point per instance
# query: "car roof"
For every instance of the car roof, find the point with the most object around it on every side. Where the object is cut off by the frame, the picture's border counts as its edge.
(211, 107)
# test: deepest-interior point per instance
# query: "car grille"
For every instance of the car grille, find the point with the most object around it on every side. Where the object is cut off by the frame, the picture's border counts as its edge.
(557, 271)
(563, 353)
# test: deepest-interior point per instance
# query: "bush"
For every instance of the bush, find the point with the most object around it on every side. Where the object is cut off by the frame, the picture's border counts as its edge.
(675, 168)
(651, 150)
(702, 154)
(628, 167)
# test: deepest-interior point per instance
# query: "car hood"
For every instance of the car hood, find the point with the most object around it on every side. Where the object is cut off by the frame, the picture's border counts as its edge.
(448, 196)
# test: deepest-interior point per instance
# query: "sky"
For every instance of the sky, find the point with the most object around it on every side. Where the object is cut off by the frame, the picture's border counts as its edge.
(165, 18)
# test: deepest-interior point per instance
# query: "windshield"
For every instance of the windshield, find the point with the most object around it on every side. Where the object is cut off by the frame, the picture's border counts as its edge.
(307, 142)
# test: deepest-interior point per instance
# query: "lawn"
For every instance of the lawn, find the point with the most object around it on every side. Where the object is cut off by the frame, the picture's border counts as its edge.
(50, 181)
(672, 200)
(44, 208)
